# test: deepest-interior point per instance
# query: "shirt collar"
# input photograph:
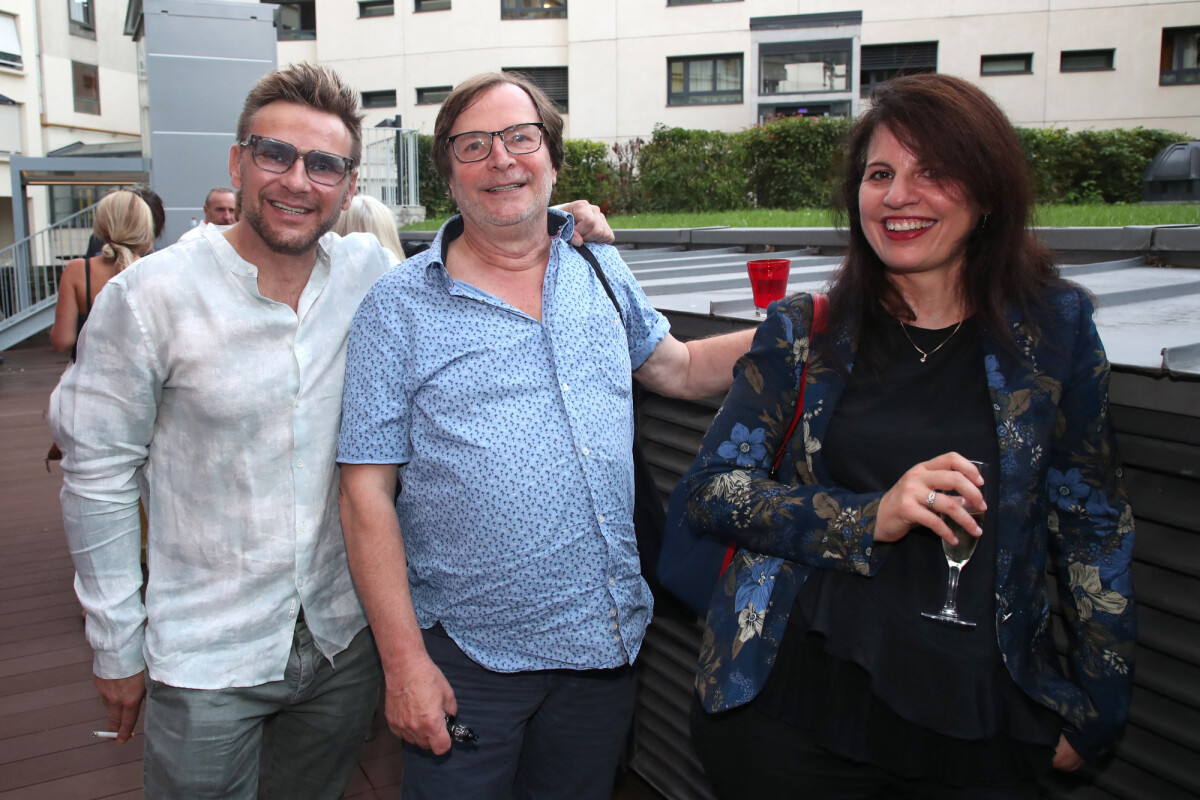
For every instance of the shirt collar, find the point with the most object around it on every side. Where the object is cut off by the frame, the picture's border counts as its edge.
(559, 225)
(240, 266)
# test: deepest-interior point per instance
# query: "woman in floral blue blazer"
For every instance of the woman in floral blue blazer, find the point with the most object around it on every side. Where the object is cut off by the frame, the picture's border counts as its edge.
(948, 326)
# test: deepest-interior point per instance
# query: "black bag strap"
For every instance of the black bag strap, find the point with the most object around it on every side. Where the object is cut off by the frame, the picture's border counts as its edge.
(590, 257)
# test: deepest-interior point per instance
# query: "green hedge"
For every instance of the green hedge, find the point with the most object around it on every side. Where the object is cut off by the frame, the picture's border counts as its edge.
(1091, 166)
(791, 163)
(586, 173)
(689, 170)
(434, 193)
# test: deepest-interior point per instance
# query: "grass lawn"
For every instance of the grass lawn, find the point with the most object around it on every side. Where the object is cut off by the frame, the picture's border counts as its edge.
(1087, 216)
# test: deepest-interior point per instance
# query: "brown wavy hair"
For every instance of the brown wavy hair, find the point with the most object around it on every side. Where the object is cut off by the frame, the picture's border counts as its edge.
(954, 128)
(466, 93)
(319, 88)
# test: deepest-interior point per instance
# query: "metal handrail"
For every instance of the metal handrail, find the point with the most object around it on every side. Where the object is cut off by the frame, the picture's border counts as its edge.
(390, 170)
(30, 268)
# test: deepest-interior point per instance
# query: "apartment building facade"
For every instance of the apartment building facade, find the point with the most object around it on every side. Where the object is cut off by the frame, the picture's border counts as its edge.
(619, 67)
(68, 85)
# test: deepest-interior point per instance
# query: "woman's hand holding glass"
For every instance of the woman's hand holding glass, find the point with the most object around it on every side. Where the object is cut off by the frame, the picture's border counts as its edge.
(907, 504)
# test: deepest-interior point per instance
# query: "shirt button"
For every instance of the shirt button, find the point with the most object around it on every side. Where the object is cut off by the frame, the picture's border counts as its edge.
(300, 581)
(612, 581)
(566, 387)
(303, 526)
(299, 464)
(600, 518)
(612, 612)
(614, 626)
(586, 452)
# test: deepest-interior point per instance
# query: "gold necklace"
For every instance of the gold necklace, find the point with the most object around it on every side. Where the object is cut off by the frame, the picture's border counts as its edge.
(925, 355)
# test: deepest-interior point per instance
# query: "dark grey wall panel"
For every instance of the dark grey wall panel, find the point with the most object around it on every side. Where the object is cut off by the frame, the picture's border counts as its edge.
(202, 58)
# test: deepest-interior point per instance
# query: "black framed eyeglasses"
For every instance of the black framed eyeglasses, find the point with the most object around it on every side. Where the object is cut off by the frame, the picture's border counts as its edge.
(275, 156)
(520, 140)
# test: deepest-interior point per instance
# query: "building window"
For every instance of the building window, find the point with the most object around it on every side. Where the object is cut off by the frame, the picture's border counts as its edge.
(431, 5)
(381, 99)
(11, 138)
(1180, 60)
(376, 8)
(532, 9)
(881, 62)
(551, 80)
(791, 67)
(704, 80)
(698, 2)
(822, 108)
(86, 80)
(433, 95)
(82, 16)
(297, 21)
(66, 200)
(1086, 60)
(10, 42)
(1011, 64)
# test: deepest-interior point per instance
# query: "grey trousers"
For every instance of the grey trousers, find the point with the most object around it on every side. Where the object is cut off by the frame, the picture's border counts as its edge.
(295, 738)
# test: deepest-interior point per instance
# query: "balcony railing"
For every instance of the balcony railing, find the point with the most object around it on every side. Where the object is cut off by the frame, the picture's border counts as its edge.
(30, 271)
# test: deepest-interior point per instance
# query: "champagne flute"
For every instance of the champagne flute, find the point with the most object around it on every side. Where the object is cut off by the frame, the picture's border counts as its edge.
(957, 556)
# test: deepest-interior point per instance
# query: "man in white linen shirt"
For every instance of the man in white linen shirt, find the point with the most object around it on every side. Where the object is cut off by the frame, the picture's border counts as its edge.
(213, 381)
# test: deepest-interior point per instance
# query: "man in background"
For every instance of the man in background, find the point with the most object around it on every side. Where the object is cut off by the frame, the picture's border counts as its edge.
(220, 208)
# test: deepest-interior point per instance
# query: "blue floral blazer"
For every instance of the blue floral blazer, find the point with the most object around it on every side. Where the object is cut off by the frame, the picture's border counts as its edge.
(1060, 500)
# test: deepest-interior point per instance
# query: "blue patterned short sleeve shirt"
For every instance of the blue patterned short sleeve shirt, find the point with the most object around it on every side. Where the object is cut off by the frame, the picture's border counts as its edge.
(513, 437)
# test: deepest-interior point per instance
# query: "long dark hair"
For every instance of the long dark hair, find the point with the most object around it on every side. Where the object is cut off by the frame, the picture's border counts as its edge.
(954, 128)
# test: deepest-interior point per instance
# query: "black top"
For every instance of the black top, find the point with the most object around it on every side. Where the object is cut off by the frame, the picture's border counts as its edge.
(858, 664)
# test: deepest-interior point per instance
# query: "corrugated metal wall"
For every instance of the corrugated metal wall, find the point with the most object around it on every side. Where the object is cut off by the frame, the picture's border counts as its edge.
(1158, 425)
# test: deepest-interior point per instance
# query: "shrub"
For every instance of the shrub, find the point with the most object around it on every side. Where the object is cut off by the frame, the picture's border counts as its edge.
(789, 161)
(1091, 166)
(434, 193)
(586, 175)
(687, 170)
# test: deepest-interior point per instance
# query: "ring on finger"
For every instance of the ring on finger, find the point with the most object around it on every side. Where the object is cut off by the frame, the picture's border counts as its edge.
(929, 500)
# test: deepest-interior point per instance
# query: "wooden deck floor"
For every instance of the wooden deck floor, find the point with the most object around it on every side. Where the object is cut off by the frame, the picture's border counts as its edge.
(48, 706)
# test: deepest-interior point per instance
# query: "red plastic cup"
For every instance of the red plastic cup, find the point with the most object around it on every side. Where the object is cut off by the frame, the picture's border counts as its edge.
(768, 281)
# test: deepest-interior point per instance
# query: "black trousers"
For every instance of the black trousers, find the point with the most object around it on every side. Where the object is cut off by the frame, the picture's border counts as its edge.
(747, 753)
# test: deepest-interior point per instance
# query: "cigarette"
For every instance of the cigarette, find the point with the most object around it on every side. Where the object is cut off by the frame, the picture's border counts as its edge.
(108, 735)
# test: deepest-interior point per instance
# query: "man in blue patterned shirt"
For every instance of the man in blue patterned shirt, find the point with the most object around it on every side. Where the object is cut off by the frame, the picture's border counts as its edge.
(494, 370)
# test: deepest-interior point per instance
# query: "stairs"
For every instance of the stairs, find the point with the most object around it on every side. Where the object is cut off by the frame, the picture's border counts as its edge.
(29, 273)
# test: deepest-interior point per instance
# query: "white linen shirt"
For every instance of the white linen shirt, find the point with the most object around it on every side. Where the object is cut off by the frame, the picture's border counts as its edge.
(224, 407)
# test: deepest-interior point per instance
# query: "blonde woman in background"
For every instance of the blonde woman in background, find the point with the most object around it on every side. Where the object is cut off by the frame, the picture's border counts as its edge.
(368, 215)
(125, 225)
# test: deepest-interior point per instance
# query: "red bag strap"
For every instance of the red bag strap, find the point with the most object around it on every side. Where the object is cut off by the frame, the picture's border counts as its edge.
(820, 318)
(819, 323)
